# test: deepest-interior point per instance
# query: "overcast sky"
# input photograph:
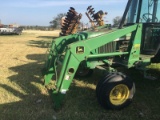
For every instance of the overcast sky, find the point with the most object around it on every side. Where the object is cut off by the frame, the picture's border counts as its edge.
(41, 12)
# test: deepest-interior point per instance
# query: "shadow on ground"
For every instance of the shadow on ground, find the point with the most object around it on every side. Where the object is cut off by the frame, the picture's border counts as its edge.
(48, 37)
(35, 104)
(41, 43)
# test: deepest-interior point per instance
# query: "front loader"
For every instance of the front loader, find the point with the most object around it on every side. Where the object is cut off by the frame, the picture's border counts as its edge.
(135, 43)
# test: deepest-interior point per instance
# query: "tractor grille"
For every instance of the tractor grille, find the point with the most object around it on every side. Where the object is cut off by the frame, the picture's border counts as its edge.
(108, 48)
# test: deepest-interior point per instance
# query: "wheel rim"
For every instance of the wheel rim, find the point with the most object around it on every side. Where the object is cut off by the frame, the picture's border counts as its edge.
(119, 94)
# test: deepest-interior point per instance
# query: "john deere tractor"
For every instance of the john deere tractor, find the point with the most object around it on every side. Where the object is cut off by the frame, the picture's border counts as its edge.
(134, 43)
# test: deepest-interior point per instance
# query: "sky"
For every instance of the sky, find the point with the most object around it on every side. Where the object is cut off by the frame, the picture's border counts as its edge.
(41, 12)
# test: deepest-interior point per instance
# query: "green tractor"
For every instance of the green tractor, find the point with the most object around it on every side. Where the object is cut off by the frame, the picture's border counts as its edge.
(135, 43)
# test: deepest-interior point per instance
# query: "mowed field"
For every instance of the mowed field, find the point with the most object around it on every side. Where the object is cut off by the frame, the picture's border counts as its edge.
(24, 97)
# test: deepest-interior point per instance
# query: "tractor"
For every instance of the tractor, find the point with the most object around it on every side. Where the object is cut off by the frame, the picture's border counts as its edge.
(135, 43)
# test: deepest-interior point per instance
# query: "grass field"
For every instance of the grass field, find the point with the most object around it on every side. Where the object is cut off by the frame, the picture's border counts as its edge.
(23, 96)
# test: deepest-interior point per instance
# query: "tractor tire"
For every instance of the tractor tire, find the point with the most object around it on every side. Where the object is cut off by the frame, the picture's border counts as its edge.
(100, 82)
(115, 91)
(85, 72)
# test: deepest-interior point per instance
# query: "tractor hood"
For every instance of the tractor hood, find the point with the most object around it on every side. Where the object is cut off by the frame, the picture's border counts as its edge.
(96, 32)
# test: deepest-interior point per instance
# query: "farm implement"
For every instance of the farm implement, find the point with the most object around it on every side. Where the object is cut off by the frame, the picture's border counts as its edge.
(11, 31)
(135, 43)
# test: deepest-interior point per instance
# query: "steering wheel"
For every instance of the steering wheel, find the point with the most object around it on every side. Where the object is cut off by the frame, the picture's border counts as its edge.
(147, 19)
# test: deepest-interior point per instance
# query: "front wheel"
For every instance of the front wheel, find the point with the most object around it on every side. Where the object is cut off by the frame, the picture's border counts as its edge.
(84, 72)
(115, 91)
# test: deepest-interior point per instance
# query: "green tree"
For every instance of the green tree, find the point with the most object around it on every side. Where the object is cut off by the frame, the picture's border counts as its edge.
(116, 21)
(55, 23)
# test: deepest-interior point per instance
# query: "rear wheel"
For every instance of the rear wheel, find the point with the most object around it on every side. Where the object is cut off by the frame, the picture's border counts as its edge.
(115, 91)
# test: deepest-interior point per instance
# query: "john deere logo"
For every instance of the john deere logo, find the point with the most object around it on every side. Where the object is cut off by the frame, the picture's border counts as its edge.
(80, 49)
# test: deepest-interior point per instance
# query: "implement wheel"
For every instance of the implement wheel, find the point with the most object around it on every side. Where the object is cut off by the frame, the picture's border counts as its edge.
(115, 91)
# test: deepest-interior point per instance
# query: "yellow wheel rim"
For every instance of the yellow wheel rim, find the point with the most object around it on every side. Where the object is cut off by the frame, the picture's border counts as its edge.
(119, 94)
